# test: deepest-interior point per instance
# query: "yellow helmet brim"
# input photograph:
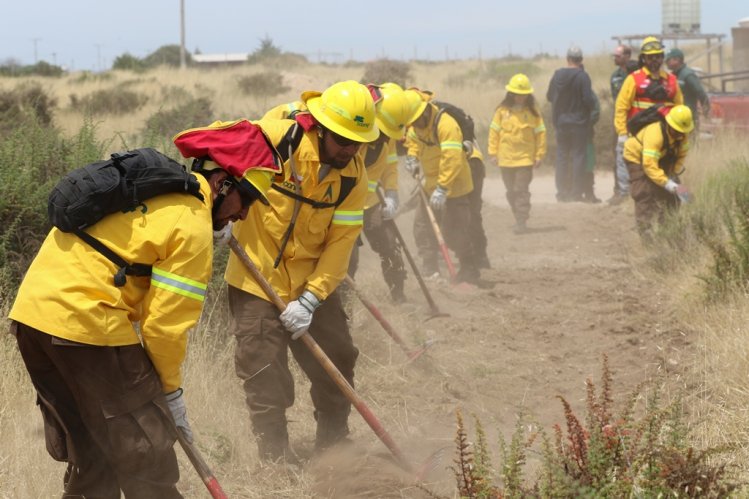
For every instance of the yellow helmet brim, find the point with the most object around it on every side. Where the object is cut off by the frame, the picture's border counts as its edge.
(314, 104)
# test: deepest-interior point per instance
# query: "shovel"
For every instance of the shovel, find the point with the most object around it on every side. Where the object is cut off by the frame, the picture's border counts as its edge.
(411, 354)
(436, 312)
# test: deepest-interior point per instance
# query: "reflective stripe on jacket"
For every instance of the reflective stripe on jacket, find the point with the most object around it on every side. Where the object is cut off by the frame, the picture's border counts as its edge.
(648, 149)
(69, 292)
(384, 170)
(317, 253)
(517, 137)
(631, 100)
(444, 161)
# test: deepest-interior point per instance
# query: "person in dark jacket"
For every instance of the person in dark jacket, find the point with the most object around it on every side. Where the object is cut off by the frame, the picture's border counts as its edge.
(689, 83)
(572, 100)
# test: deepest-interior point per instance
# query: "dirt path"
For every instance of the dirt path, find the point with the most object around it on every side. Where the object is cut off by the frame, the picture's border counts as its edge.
(565, 294)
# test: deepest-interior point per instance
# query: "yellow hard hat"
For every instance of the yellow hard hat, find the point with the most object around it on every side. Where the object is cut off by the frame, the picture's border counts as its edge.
(651, 45)
(519, 84)
(417, 100)
(393, 111)
(680, 119)
(345, 108)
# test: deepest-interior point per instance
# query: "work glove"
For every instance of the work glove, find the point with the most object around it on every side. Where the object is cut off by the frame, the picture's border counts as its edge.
(390, 204)
(179, 413)
(222, 236)
(679, 190)
(297, 316)
(413, 165)
(438, 199)
(622, 139)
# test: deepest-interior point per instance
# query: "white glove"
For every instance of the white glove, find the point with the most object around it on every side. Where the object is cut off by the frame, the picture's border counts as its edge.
(413, 165)
(671, 186)
(438, 199)
(297, 316)
(390, 204)
(681, 191)
(222, 236)
(179, 413)
(622, 139)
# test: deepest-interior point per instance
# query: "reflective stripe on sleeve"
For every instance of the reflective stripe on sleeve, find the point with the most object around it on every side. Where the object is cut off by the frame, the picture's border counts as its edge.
(178, 284)
(651, 153)
(371, 186)
(342, 217)
(392, 158)
(540, 128)
(495, 126)
(451, 145)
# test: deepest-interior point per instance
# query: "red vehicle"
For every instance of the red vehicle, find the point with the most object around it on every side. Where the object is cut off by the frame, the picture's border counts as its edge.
(728, 110)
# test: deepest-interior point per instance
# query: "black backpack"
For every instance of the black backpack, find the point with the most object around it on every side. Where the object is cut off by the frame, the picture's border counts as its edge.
(465, 122)
(119, 184)
(644, 118)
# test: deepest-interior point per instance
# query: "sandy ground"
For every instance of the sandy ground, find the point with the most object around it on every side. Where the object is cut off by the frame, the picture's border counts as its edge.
(565, 294)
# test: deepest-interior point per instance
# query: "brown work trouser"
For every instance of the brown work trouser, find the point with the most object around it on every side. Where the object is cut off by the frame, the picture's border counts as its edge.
(651, 200)
(477, 234)
(105, 414)
(261, 359)
(455, 223)
(381, 238)
(517, 180)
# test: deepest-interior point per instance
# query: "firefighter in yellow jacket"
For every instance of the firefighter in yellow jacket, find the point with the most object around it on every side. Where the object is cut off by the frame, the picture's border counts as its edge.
(284, 111)
(517, 144)
(381, 160)
(655, 159)
(301, 243)
(106, 400)
(435, 146)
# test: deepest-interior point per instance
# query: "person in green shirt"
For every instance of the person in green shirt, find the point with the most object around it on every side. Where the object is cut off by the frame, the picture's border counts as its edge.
(689, 83)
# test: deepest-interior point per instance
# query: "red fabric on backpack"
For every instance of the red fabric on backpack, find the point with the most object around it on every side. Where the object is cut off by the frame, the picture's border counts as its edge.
(236, 147)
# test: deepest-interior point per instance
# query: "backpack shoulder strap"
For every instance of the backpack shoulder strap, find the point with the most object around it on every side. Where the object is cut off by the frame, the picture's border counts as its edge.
(292, 138)
(134, 269)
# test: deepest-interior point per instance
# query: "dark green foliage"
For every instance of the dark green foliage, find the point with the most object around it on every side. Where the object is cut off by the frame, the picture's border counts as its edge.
(387, 70)
(25, 104)
(32, 159)
(165, 123)
(129, 62)
(269, 54)
(265, 84)
(166, 55)
(116, 100)
(41, 68)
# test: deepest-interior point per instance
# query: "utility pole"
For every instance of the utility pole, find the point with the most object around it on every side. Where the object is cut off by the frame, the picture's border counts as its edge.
(182, 58)
(35, 41)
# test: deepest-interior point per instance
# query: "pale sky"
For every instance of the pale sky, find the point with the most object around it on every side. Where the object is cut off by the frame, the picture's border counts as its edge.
(89, 34)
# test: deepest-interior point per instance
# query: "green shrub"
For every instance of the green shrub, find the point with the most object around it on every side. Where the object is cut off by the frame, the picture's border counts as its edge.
(166, 55)
(162, 125)
(32, 159)
(117, 100)
(25, 104)
(643, 451)
(41, 68)
(129, 62)
(387, 70)
(265, 84)
(502, 70)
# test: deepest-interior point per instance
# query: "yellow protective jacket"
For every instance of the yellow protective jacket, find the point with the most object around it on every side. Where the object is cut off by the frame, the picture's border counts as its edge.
(439, 147)
(282, 111)
(648, 150)
(69, 292)
(382, 169)
(317, 253)
(517, 137)
(627, 96)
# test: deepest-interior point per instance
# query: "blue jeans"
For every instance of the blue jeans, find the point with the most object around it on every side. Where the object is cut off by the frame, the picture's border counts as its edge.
(572, 141)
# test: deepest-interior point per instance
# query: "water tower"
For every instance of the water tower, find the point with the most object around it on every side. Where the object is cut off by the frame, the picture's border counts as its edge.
(680, 17)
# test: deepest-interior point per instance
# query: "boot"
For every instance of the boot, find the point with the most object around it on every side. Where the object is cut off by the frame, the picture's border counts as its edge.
(482, 261)
(273, 442)
(332, 429)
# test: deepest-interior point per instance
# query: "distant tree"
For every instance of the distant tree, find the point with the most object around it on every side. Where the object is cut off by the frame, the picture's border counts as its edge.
(387, 70)
(165, 55)
(267, 50)
(128, 62)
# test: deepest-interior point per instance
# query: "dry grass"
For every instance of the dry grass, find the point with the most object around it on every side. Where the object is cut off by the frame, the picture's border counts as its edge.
(213, 393)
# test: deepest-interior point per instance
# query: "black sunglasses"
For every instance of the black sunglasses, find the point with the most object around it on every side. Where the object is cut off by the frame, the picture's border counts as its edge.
(342, 141)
